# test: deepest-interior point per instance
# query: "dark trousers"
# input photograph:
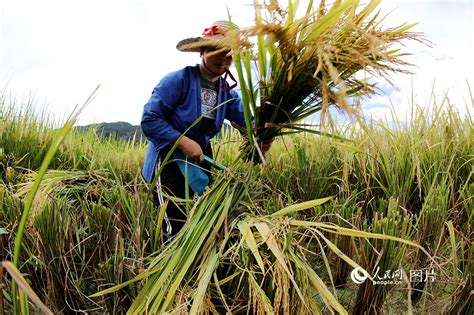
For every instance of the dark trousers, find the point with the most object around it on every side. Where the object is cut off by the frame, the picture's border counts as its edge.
(173, 183)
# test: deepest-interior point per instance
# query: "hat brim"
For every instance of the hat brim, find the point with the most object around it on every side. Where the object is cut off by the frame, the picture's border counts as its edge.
(194, 44)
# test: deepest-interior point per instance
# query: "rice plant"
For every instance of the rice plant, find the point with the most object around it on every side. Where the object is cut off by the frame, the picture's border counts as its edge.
(275, 238)
(92, 229)
(307, 64)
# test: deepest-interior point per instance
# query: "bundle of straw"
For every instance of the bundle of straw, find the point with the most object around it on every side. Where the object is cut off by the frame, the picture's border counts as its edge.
(229, 258)
(305, 65)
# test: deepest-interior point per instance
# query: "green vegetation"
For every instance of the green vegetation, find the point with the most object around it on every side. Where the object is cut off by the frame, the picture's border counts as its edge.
(308, 63)
(93, 225)
(391, 201)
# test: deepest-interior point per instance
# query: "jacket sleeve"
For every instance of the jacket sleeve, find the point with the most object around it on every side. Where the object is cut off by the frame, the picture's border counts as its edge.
(155, 122)
(235, 111)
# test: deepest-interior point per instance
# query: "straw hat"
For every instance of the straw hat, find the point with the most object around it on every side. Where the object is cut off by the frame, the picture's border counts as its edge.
(212, 37)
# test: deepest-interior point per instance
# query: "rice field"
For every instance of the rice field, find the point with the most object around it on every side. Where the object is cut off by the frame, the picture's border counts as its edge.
(254, 244)
(367, 218)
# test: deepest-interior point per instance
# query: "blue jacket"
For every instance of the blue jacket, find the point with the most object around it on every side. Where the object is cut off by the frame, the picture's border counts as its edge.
(174, 105)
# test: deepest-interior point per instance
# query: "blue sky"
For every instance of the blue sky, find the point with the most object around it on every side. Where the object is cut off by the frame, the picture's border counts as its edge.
(58, 51)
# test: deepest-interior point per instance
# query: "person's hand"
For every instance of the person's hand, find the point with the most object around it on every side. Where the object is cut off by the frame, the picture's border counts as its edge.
(191, 149)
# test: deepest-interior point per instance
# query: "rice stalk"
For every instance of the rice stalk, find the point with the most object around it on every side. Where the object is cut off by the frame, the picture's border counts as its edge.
(305, 65)
(24, 217)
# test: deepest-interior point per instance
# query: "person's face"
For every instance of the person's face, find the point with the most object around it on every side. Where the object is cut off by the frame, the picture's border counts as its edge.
(217, 63)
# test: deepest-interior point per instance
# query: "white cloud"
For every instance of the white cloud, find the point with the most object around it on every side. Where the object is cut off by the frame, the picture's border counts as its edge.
(445, 67)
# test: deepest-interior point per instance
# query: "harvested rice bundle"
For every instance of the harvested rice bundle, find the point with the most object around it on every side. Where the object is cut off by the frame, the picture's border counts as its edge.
(304, 65)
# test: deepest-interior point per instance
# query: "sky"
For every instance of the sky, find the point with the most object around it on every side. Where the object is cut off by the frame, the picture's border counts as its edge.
(55, 52)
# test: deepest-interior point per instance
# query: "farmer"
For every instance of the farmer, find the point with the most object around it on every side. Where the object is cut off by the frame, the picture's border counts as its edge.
(175, 104)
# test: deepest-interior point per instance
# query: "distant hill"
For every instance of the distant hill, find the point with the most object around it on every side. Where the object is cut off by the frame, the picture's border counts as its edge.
(125, 131)
(121, 130)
